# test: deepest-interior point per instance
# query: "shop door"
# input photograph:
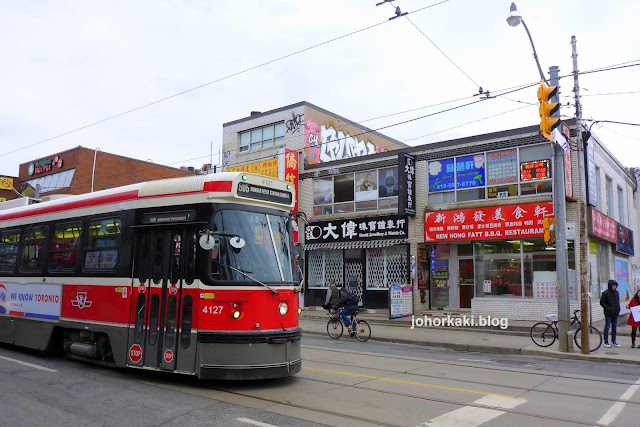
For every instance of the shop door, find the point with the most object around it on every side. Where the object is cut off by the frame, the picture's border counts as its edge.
(354, 272)
(466, 281)
(157, 282)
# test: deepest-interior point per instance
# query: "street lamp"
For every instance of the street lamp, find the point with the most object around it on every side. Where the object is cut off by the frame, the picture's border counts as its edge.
(514, 19)
(559, 208)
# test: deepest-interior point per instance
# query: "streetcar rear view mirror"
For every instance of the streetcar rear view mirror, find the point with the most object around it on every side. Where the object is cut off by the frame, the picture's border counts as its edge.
(208, 242)
(237, 242)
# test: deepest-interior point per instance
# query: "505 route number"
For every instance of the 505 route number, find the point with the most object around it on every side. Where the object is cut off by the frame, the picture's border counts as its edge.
(212, 309)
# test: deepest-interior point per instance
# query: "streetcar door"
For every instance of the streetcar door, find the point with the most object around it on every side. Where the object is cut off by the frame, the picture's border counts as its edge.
(158, 276)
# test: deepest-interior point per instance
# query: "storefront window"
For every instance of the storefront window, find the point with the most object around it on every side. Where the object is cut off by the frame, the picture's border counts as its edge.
(498, 268)
(439, 277)
(324, 266)
(386, 266)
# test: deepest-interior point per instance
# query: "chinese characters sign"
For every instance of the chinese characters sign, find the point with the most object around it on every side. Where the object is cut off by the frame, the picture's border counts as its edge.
(407, 173)
(497, 222)
(291, 176)
(502, 167)
(266, 168)
(538, 169)
(602, 226)
(441, 176)
(470, 171)
(346, 230)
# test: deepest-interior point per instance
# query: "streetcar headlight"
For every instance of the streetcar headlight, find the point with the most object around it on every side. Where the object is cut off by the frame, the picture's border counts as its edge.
(283, 308)
(236, 314)
(299, 310)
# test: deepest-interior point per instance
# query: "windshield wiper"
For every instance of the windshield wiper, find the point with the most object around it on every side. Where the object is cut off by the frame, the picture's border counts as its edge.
(250, 277)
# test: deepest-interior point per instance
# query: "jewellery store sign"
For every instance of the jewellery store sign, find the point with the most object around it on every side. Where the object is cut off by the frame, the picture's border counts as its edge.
(496, 222)
(347, 230)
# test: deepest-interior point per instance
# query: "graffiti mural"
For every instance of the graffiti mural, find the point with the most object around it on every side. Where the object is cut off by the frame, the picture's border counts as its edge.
(294, 123)
(326, 144)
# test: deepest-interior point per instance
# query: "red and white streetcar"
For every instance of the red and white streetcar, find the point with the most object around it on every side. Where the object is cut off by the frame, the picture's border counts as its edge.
(190, 275)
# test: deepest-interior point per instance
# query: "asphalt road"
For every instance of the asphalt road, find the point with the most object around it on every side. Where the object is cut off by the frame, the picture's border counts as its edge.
(343, 382)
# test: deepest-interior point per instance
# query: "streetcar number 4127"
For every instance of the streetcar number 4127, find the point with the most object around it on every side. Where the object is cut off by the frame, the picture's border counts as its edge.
(212, 309)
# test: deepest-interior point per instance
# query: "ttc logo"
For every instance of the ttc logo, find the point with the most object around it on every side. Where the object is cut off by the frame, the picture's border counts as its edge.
(81, 301)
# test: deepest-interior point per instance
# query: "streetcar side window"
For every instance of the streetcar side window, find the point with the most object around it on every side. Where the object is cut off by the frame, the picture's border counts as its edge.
(33, 258)
(65, 244)
(190, 268)
(153, 319)
(9, 241)
(170, 331)
(103, 243)
(185, 331)
(139, 318)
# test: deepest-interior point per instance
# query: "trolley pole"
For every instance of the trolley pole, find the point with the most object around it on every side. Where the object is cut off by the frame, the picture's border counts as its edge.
(582, 277)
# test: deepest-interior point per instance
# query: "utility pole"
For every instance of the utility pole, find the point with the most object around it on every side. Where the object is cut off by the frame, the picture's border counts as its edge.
(559, 211)
(582, 201)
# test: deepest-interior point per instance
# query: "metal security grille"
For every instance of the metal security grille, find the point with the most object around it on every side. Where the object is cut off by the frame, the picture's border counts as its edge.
(386, 266)
(354, 272)
(324, 266)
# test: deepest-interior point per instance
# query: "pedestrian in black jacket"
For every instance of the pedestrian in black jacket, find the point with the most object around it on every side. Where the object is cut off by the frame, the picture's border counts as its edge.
(610, 301)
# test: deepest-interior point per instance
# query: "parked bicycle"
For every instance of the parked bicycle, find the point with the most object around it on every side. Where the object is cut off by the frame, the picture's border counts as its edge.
(545, 334)
(359, 328)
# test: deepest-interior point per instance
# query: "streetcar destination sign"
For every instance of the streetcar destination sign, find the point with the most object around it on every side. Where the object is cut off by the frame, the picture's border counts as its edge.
(258, 192)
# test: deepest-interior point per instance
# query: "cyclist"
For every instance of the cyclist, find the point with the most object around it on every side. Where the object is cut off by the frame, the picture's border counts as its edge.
(349, 301)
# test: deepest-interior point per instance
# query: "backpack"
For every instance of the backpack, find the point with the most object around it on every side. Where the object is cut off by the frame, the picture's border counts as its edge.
(353, 299)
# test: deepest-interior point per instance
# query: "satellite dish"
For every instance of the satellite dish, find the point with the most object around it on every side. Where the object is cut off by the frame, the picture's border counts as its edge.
(237, 242)
(207, 242)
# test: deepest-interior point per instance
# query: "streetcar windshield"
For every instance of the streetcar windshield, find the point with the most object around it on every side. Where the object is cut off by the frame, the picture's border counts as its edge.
(266, 255)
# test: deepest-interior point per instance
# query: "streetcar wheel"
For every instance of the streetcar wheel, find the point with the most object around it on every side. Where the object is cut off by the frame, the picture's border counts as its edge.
(543, 334)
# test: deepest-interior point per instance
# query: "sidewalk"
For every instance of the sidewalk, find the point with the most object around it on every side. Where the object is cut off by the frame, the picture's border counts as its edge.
(514, 340)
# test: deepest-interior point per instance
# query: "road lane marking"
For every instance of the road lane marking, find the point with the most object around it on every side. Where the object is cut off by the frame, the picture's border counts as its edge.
(478, 360)
(391, 380)
(617, 407)
(31, 365)
(470, 416)
(254, 422)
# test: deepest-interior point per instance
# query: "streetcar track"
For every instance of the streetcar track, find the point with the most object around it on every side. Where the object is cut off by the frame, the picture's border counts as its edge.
(450, 363)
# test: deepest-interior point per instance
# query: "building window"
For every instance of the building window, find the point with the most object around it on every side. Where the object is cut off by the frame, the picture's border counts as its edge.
(598, 189)
(495, 174)
(363, 191)
(386, 266)
(56, 181)
(263, 137)
(609, 195)
(621, 215)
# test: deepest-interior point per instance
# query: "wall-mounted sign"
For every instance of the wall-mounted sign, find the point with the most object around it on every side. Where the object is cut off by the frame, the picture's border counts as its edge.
(441, 175)
(624, 242)
(502, 167)
(291, 169)
(45, 165)
(470, 171)
(538, 169)
(346, 230)
(407, 190)
(496, 222)
(266, 168)
(6, 183)
(604, 227)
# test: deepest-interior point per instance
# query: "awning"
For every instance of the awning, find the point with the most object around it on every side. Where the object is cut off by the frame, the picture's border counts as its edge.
(362, 244)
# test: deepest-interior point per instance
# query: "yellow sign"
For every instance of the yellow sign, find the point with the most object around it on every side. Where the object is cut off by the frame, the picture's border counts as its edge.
(6, 183)
(267, 168)
(2, 199)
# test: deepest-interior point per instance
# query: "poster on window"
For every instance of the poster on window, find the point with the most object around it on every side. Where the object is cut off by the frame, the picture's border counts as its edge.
(624, 242)
(470, 171)
(441, 175)
(322, 191)
(388, 182)
(400, 301)
(366, 186)
(622, 277)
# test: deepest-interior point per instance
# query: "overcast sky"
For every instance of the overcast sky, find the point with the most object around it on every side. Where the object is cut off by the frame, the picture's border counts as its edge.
(69, 64)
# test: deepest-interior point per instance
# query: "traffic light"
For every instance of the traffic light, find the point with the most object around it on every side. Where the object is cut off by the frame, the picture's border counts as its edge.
(547, 109)
(549, 225)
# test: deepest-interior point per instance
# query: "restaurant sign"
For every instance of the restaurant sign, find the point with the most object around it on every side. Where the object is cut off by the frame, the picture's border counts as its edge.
(602, 226)
(496, 222)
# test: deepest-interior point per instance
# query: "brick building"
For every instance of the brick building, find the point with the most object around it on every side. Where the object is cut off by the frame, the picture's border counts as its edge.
(454, 225)
(82, 170)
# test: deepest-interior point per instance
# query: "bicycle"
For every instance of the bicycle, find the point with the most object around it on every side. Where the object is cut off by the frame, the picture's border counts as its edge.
(335, 328)
(545, 334)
